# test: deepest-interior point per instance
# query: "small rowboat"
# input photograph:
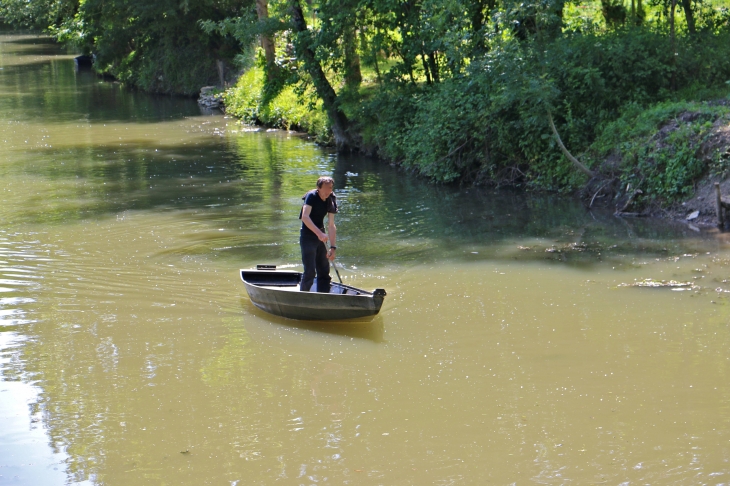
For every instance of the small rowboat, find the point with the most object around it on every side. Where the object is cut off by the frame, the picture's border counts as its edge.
(277, 292)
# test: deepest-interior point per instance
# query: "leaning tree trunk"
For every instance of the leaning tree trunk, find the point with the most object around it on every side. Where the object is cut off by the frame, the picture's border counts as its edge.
(305, 54)
(687, 6)
(267, 43)
(576, 163)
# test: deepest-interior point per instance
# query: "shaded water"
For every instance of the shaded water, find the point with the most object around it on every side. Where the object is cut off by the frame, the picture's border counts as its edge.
(507, 350)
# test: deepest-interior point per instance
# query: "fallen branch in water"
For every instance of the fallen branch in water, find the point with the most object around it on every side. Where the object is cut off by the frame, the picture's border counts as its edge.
(621, 212)
(598, 191)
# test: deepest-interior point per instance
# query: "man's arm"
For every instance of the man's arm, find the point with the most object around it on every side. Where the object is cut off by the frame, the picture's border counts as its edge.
(332, 232)
(306, 210)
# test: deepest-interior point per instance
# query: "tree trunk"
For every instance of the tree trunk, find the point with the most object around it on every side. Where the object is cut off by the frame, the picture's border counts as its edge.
(640, 14)
(476, 14)
(556, 28)
(353, 75)
(407, 62)
(433, 65)
(674, 48)
(267, 43)
(637, 13)
(305, 53)
(425, 67)
(614, 12)
(687, 5)
(377, 67)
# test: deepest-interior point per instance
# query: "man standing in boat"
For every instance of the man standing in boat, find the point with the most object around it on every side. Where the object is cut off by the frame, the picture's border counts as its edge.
(318, 203)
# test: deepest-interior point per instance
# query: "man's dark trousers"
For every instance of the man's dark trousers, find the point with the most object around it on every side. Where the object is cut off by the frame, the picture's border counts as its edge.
(314, 258)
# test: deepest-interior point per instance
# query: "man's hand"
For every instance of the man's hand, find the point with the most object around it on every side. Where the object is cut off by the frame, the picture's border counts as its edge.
(331, 254)
(323, 237)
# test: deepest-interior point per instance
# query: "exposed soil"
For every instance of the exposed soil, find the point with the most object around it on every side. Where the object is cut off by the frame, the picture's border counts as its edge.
(716, 145)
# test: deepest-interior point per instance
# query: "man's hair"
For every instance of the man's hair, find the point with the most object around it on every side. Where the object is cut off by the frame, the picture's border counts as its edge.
(325, 180)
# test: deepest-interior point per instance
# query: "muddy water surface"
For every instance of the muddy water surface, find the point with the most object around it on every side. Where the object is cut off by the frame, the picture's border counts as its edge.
(511, 348)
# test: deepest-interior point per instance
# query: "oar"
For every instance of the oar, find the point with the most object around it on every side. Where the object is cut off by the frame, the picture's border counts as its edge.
(336, 271)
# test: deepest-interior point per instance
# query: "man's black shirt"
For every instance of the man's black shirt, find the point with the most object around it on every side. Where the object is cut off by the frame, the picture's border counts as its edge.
(319, 211)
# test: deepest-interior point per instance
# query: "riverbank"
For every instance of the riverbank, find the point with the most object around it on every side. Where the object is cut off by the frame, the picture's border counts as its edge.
(541, 97)
(248, 101)
(664, 161)
(657, 161)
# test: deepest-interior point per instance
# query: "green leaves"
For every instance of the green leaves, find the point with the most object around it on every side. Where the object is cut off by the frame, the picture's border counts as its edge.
(155, 45)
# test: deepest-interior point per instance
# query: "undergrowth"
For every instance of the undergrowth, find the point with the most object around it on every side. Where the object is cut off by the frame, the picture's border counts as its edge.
(287, 110)
(658, 148)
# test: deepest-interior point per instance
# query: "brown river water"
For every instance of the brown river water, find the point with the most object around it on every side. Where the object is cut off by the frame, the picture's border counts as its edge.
(511, 348)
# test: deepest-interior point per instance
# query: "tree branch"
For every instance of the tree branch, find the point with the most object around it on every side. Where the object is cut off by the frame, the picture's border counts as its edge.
(570, 157)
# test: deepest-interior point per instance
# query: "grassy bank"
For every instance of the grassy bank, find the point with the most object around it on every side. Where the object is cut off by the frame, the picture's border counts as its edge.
(287, 110)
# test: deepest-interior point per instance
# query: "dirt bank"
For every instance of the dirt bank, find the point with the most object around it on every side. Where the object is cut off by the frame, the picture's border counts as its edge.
(714, 151)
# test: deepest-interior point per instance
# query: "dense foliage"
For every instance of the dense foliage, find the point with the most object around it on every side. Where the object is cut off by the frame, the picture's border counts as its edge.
(463, 90)
(492, 123)
(452, 89)
(154, 45)
(245, 101)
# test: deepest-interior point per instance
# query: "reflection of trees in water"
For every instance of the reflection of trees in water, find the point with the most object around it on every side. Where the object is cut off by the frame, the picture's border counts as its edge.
(251, 185)
(52, 90)
(398, 218)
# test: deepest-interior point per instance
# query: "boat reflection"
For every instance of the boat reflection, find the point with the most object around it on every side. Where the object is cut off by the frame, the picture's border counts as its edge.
(368, 328)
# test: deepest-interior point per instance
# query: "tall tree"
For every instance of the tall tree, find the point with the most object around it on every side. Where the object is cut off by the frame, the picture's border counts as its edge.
(267, 40)
(614, 12)
(353, 74)
(305, 50)
(689, 15)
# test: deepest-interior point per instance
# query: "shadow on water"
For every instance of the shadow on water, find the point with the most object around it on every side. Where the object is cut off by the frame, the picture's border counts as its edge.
(367, 329)
(250, 185)
(29, 39)
(44, 51)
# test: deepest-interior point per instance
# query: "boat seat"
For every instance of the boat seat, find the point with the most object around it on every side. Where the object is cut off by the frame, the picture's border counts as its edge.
(336, 289)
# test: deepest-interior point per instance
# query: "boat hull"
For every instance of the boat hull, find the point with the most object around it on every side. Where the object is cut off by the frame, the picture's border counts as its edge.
(277, 292)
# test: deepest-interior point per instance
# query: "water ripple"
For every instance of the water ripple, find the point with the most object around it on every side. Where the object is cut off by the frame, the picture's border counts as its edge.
(19, 278)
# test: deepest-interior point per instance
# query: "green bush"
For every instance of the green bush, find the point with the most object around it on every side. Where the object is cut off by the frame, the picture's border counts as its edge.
(287, 110)
(491, 124)
(168, 68)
